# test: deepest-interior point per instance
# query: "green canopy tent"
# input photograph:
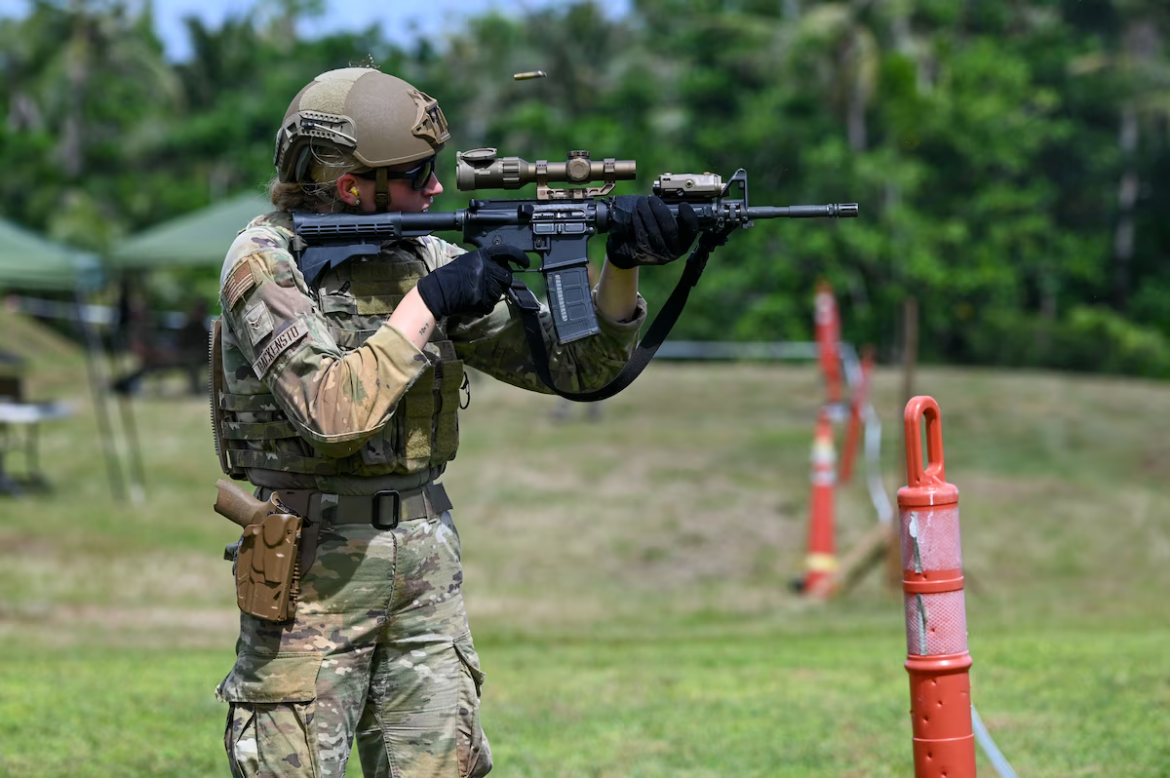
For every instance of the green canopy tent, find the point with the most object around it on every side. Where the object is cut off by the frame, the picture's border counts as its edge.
(31, 262)
(198, 238)
(28, 261)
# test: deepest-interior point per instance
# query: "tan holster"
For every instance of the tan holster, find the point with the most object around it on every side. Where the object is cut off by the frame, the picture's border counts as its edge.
(267, 573)
(267, 568)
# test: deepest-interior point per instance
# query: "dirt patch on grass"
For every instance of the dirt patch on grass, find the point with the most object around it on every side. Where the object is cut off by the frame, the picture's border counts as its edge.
(65, 599)
(65, 625)
(33, 572)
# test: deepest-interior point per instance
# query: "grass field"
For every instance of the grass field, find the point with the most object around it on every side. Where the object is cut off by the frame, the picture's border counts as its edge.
(627, 581)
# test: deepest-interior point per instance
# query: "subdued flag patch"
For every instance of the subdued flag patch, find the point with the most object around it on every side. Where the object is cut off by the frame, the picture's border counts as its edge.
(239, 281)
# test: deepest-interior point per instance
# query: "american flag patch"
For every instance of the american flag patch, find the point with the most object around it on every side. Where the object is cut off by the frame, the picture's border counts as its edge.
(239, 281)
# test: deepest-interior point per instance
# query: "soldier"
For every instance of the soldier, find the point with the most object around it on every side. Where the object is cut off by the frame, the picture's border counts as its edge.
(342, 396)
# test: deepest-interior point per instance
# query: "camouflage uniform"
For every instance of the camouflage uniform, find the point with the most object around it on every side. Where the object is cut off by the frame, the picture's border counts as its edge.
(322, 400)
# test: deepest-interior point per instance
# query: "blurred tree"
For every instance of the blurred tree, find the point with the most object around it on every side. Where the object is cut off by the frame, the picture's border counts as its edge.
(1006, 153)
(1136, 68)
(84, 72)
(846, 58)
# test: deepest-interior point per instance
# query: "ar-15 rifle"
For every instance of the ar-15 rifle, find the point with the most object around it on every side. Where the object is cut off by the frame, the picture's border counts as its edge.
(556, 225)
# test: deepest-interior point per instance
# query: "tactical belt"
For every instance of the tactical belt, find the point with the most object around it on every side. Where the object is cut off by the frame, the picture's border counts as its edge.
(384, 509)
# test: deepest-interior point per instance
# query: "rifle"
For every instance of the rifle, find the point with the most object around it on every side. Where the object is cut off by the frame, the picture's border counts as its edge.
(557, 225)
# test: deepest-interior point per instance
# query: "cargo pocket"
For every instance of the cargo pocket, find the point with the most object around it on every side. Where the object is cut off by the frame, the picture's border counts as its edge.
(475, 756)
(272, 701)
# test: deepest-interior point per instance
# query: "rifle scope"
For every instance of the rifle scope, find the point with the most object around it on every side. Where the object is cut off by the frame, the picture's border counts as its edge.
(482, 169)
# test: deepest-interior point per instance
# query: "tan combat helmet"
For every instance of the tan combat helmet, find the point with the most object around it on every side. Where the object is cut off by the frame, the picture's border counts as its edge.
(379, 119)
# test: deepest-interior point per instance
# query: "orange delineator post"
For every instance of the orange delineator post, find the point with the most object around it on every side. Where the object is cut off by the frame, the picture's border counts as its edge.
(821, 561)
(936, 617)
(828, 333)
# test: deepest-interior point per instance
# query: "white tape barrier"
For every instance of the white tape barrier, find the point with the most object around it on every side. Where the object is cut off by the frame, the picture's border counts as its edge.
(994, 755)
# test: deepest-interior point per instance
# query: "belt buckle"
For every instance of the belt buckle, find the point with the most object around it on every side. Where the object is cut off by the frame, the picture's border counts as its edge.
(376, 509)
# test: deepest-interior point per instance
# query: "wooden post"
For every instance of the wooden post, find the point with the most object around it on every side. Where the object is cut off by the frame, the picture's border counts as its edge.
(909, 347)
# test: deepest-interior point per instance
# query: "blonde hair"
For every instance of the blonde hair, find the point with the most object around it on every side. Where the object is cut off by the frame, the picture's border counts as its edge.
(320, 191)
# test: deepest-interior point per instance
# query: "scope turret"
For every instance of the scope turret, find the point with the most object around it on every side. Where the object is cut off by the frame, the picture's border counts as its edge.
(482, 169)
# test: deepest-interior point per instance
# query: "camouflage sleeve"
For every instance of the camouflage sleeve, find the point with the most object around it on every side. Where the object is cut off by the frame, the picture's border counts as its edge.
(497, 345)
(335, 399)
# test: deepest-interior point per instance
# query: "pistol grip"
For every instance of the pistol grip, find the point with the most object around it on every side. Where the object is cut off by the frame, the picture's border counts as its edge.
(235, 504)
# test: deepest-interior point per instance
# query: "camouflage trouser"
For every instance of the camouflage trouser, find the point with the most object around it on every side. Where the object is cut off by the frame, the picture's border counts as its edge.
(379, 651)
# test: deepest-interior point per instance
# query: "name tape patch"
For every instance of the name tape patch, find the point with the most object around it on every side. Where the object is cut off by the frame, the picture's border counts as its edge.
(281, 343)
(239, 281)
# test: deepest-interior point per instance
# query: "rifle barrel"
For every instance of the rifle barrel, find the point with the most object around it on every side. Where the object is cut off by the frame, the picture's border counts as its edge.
(832, 210)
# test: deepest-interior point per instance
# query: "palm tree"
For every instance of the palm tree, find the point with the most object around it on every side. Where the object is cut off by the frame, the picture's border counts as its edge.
(850, 71)
(104, 46)
(84, 74)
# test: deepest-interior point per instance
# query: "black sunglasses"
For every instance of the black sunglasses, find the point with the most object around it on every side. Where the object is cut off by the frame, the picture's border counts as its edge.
(418, 176)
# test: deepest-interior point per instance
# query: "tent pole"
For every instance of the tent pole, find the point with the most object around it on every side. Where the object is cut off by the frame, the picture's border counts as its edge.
(129, 425)
(98, 391)
(137, 474)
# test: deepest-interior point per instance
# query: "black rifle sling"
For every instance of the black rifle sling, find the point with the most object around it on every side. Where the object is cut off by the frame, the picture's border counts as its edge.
(521, 296)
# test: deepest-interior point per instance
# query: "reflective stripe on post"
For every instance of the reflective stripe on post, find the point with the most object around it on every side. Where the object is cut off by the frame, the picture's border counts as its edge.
(936, 618)
(821, 561)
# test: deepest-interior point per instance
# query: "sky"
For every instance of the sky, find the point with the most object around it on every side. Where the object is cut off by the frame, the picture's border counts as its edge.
(398, 18)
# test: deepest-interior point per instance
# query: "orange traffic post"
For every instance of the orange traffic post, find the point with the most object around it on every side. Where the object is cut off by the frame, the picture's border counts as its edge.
(821, 561)
(828, 334)
(936, 616)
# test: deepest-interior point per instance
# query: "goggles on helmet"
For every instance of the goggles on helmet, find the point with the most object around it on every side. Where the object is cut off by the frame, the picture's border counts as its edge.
(419, 176)
(293, 157)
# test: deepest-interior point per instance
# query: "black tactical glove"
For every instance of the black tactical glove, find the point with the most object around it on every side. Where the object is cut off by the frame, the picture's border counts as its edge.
(472, 283)
(644, 232)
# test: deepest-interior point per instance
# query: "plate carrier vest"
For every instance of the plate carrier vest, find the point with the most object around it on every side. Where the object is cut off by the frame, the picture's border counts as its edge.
(355, 298)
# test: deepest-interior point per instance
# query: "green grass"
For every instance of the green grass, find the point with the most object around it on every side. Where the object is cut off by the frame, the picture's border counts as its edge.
(112, 712)
(694, 703)
(800, 705)
(627, 581)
